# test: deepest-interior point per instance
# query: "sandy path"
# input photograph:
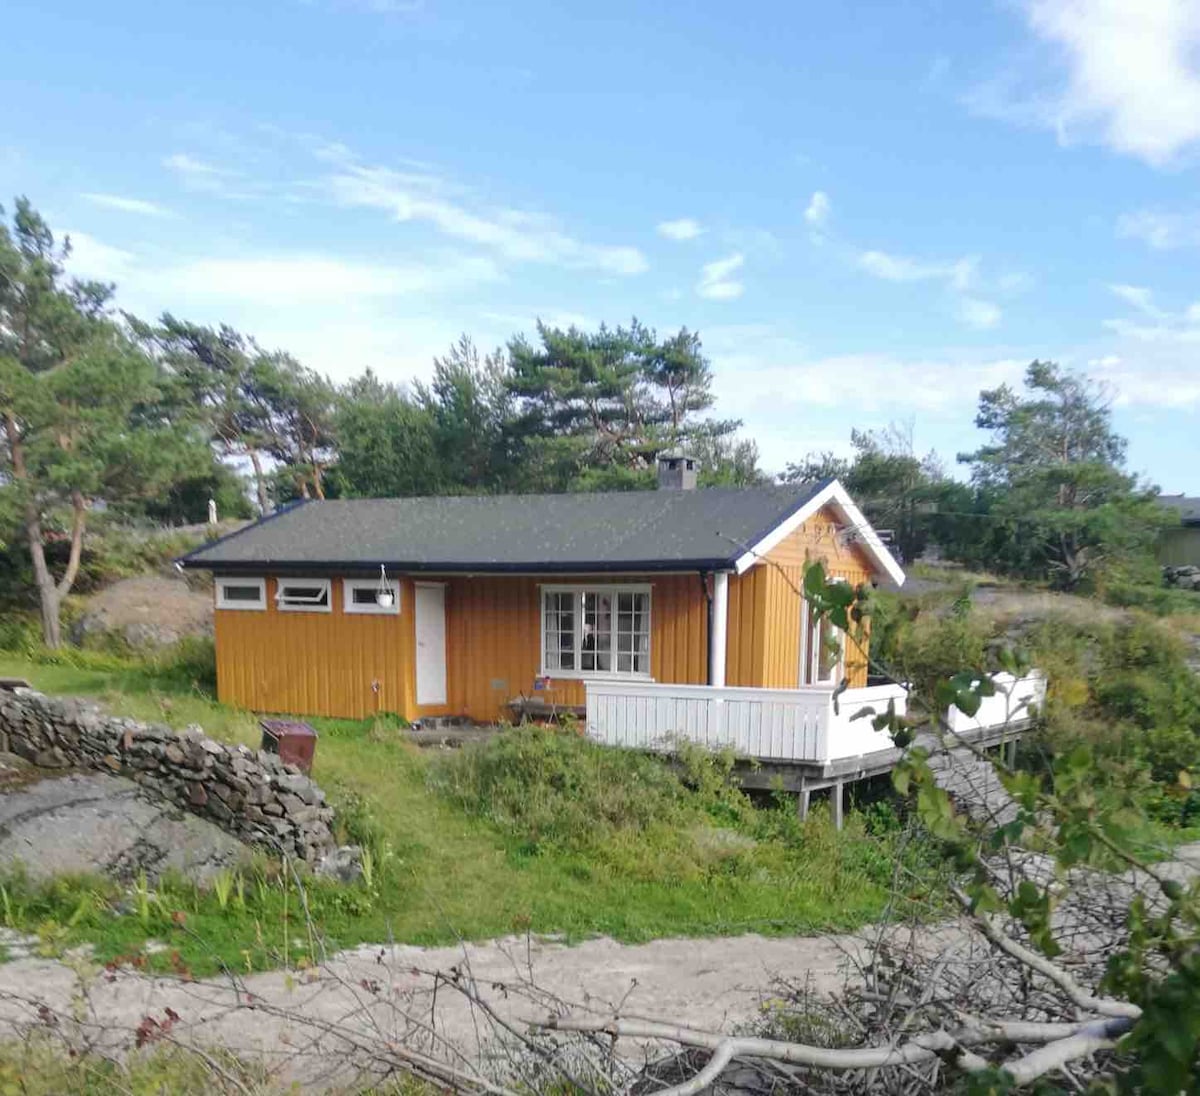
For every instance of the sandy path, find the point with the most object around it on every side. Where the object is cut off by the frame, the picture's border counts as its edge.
(389, 993)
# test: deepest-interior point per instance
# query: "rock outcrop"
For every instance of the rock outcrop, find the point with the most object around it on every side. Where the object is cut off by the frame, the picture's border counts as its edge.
(250, 794)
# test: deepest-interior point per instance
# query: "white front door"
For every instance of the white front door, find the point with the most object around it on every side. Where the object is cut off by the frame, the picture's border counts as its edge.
(430, 610)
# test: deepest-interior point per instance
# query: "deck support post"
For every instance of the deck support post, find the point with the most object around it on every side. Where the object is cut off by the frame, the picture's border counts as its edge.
(839, 805)
(1010, 753)
(720, 629)
(802, 801)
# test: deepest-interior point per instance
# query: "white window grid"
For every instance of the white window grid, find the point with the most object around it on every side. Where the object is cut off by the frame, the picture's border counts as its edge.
(596, 631)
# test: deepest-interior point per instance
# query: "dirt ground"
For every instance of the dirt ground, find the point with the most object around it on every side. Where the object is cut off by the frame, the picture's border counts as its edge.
(311, 1027)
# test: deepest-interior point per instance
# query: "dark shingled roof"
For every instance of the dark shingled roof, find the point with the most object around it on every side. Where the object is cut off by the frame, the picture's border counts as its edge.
(608, 531)
(1187, 508)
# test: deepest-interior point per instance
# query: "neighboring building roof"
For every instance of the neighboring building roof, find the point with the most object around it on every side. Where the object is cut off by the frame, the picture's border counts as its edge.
(710, 529)
(1188, 508)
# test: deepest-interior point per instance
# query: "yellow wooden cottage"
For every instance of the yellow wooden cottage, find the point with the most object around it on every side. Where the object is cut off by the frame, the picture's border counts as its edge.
(467, 606)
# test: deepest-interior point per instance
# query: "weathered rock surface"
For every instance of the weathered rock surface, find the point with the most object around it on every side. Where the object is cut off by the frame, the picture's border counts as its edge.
(250, 794)
(146, 612)
(96, 823)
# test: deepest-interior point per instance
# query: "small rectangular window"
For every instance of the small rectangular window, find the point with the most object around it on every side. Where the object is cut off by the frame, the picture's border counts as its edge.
(361, 595)
(303, 595)
(241, 593)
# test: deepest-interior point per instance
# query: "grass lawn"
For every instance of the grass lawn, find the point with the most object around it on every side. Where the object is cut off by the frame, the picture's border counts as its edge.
(447, 873)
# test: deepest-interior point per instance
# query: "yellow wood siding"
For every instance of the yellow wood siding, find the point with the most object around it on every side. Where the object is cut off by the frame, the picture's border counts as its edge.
(493, 629)
(745, 642)
(325, 663)
(316, 663)
(764, 606)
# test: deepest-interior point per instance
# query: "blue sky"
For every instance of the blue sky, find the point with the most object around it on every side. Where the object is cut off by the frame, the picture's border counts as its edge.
(868, 211)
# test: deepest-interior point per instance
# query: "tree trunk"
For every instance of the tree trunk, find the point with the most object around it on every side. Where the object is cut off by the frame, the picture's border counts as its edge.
(50, 606)
(260, 484)
(48, 596)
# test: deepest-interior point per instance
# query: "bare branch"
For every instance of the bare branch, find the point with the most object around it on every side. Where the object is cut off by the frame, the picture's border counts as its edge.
(1103, 1006)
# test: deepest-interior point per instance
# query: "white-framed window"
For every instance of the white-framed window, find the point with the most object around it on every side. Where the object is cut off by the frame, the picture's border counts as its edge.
(361, 595)
(242, 593)
(303, 595)
(596, 631)
(822, 648)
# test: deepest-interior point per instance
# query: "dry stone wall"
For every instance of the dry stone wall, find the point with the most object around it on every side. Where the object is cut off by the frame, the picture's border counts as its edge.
(250, 794)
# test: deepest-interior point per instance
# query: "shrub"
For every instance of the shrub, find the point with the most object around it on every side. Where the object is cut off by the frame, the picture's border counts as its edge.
(555, 789)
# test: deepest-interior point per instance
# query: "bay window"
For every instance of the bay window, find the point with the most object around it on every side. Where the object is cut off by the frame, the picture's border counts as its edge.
(596, 631)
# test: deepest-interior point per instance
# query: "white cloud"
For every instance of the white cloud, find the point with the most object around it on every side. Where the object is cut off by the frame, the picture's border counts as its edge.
(1159, 377)
(1160, 230)
(818, 209)
(1138, 297)
(527, 321)
(128, 205)
(979, 313)
(1155, 324)
(682, 229)
(960, 279)
(958, 274)
(189, 167)
(515, 235)
(716, 281)
(1131, 80)
(291, 278)
(92, 258)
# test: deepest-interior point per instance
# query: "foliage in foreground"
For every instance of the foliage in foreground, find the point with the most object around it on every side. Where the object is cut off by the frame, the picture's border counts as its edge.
(40, 1065)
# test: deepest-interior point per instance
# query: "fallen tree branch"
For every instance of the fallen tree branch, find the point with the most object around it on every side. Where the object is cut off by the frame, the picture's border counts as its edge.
(721, 1057)
(1103, 1006)
(1097, 1035)
(1061, 1043)
(921, 1048)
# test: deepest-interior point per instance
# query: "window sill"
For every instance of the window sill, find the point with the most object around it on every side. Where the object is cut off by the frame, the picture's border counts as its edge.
(593, 675)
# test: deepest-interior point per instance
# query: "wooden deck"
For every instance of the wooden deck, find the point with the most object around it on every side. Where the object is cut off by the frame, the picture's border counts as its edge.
(802, 740)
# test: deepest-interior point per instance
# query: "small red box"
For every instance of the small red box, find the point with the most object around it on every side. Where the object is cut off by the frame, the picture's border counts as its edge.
(294, 742)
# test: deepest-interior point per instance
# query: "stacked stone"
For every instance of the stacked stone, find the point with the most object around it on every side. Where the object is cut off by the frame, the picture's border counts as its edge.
(1186, 577)
(250, 794)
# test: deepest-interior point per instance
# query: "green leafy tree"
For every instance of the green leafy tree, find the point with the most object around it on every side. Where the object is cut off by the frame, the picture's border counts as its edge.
(299, 409)
(470, 406)
(215, 368)
(388, 444)
(1062, 504)
(87, 416)
(594, 408)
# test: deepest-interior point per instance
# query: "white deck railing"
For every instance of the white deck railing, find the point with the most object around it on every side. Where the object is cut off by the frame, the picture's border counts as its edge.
(1014, 699)
(781, 724)
(771, 724)
(801, 724)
